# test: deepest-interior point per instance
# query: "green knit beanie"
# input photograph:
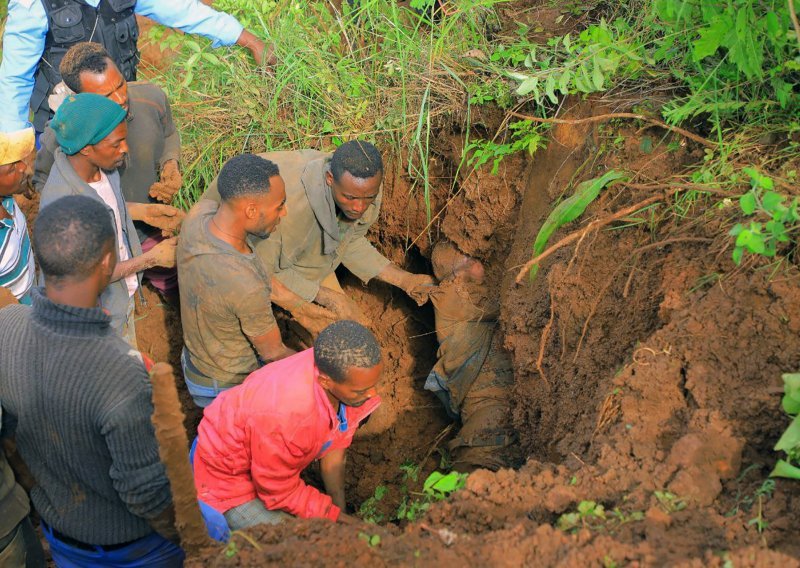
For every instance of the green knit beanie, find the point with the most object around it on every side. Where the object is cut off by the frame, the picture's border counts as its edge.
(85, 119)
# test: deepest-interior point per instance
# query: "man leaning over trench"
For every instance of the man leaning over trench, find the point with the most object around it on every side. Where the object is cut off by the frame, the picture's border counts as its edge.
(150, 171)
(78, 400)
(228, 326)
(334, 199)
(256, 439)
(91, 131)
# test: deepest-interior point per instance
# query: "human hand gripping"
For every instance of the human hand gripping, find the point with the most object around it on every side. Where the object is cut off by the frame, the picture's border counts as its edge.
(170, 182)
(163, 254)
(164, 217)
(418, 287)
(314, 318)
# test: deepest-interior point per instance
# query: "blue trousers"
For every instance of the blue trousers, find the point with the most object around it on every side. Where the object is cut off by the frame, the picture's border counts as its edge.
(152, 550)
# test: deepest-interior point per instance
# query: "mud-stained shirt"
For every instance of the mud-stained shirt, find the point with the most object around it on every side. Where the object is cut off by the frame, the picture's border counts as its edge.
(224, 300)
(298, 253)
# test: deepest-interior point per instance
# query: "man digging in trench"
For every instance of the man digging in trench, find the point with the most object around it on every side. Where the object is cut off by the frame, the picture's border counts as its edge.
(333, 200)
(473, 376)
(255, 439)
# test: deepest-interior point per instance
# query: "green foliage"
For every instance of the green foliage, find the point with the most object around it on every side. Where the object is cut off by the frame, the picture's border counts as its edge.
(594, 516)
(669, 502)
(525, 136)
(437, 487)
(368, 510)
(372, 540)
(376, 70)
(789, 442)
(763, 237)
(572, 208)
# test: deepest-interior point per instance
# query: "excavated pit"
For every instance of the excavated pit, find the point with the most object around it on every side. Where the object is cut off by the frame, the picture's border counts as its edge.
(643, 362)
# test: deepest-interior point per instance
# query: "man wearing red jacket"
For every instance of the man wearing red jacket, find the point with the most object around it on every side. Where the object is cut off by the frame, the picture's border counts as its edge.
(256, 438)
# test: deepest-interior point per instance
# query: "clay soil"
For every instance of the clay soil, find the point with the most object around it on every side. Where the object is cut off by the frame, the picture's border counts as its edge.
(647, 371)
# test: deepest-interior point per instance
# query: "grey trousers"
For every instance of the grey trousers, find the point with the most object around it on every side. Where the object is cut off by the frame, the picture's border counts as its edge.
(253, 513)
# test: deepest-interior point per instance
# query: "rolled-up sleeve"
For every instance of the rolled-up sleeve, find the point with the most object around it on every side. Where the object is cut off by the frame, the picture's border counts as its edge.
(193, 17)
(23, 45)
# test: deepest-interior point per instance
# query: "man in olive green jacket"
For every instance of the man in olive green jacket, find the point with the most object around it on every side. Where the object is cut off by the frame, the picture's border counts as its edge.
(332, 201)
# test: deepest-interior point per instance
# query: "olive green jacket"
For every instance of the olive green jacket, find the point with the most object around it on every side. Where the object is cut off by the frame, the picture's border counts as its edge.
(295, 252)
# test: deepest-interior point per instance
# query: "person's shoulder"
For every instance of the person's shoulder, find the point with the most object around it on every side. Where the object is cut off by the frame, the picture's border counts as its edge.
(147, 95)
(14, 315)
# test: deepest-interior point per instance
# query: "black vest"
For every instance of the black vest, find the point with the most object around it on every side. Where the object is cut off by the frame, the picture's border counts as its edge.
(112, 24)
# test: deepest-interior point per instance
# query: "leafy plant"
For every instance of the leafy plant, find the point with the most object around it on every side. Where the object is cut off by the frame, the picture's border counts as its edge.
(372, 540)
(437, 487)
(525, 136)
(669, 502)
(789, 442)
(368, 510)
(572, 208)
(586, 512)
(758, 237)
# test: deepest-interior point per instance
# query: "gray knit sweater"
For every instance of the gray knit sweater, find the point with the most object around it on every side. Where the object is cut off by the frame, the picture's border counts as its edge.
(79, 400)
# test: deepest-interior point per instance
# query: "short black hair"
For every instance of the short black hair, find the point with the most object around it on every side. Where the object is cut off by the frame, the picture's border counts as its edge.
(360, 159)
(343, 345)
(69, 236)
(246, 174)
(85, 56)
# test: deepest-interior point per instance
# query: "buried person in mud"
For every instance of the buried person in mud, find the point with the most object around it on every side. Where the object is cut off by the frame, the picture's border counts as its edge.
(473, 376)
(150, 172)
(78, 400)
(332, 201)
(91, 131)
(255, 439)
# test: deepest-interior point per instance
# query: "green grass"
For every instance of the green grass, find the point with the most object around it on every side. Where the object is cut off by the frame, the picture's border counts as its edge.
(380, 72)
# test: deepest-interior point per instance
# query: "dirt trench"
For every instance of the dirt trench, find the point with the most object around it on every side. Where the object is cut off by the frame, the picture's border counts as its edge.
(647, 372)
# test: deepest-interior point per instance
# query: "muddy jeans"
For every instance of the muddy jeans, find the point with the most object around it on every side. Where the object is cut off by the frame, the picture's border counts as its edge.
(253, 513)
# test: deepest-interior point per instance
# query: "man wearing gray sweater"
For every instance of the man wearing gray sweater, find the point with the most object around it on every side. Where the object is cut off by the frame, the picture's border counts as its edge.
(78, 399)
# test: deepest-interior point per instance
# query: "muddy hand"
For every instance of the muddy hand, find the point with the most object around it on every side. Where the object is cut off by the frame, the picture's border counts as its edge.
(419, 287)
(169, 184)
(314, 318)
(164, 217)
(163, 254)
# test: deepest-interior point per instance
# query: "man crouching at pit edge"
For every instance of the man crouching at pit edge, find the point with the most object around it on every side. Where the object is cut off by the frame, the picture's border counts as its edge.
(256, 438)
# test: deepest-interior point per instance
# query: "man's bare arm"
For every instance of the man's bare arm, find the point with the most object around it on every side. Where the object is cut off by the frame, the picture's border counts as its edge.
(332, 467)
(270, 346)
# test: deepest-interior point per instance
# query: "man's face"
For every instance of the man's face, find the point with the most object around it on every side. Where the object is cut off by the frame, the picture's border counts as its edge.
(110, 84)
(15, 177)
(109, 154)
(264, 211)
(354, 195)
(358, 387)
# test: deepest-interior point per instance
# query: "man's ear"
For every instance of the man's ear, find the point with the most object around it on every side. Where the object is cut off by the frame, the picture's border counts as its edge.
(325, 381)
(329, 178)
(108, 262)
(251, 210)
(86, 150)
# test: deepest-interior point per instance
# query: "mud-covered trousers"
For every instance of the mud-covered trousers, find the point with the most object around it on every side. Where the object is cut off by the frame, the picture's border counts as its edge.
(152, 550)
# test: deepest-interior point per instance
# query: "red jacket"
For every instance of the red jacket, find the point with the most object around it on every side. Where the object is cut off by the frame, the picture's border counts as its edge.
(256, 438)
